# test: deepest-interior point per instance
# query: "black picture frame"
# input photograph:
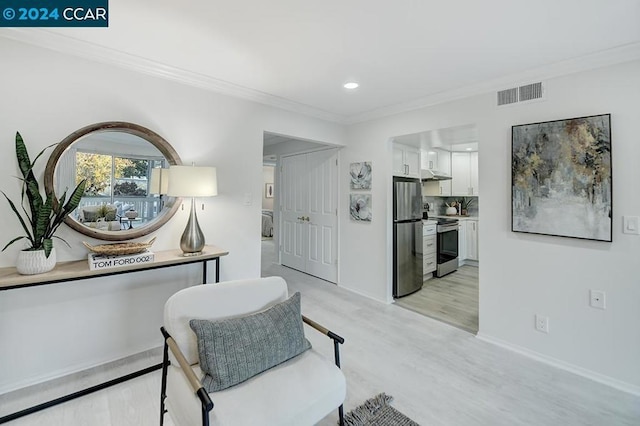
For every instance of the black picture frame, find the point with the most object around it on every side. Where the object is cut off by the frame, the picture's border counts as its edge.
(562, 178)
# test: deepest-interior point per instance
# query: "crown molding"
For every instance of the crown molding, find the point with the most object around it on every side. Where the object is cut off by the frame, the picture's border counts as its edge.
(620, 54)
(90, 51)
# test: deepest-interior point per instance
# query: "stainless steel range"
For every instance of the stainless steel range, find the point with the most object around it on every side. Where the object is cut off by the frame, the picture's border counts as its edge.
(447, 251)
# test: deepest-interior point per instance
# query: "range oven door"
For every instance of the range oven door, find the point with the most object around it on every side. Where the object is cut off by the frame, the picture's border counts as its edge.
(447, 244)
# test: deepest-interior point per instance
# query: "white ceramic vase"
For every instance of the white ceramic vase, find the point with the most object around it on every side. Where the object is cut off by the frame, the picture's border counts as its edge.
(31, 262)
(451, 211)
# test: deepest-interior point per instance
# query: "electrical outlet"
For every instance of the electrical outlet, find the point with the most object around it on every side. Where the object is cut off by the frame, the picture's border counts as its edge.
(542, 323)
(597, 299)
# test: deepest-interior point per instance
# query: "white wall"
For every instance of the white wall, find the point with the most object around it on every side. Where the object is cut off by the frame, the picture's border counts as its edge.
(46, 331)
(520, 274)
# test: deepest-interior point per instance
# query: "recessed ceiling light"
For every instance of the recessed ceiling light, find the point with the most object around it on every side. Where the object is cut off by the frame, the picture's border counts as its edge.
(351, 85)
(469, 149)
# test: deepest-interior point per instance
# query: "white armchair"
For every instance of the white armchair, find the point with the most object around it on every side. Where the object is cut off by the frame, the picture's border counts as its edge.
(300, 391)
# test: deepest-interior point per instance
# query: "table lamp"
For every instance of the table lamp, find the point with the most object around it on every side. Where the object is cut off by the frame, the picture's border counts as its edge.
(192, 181)
(158, 184)
(159, 181)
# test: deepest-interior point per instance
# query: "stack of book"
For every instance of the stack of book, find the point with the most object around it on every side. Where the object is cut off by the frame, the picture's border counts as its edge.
(102, 261)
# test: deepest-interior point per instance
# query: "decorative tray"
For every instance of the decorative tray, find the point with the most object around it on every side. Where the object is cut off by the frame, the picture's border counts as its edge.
(119, 249)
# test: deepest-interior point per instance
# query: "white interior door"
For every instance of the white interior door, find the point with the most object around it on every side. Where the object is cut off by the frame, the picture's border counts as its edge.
(322, 215)
(293, 197)
(309, 213)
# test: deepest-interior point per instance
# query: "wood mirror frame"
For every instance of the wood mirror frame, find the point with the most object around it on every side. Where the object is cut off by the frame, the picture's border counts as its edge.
(115, 126)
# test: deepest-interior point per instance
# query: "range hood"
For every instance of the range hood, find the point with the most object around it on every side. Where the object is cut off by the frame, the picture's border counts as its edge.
(427, 174)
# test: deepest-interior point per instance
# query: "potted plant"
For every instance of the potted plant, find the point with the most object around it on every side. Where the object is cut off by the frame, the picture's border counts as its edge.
(465, 203)
(42, 218)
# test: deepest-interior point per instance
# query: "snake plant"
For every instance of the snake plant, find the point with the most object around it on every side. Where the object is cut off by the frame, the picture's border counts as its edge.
(45, 214)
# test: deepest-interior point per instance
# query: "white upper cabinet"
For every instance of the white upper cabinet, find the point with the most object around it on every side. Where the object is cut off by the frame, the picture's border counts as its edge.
(430, 160)
(475, 189)
(464, 171)
(399, 168)
(439, 160)
(406, 161)
(444, 164)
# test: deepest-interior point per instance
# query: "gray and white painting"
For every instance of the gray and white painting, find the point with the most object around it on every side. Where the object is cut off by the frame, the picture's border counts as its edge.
(360, 175)
(360, 207)
(561, 178)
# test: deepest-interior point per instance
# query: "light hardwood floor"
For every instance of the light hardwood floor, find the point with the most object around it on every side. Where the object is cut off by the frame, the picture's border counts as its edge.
(452, 299)
(438, 374)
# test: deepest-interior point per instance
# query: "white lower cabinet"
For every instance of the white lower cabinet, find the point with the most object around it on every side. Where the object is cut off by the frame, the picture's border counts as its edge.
(468, 241)
(429, 245)
(462, 242)
(472, 240)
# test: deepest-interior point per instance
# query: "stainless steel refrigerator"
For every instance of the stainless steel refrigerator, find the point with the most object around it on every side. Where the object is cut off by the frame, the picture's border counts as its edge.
(407, 236)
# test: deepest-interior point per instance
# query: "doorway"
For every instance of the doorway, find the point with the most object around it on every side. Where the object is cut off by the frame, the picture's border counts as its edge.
(305, 204)
(309, 213)
(451, 155)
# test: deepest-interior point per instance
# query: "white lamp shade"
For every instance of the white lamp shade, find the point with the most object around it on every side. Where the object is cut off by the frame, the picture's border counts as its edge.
(159, 182)
(192, 181)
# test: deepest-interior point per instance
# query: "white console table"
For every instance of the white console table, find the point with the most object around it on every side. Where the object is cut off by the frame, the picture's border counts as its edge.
(79, 270)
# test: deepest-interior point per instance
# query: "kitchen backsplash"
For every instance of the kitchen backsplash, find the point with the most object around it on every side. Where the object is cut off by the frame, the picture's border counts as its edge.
(440, 204)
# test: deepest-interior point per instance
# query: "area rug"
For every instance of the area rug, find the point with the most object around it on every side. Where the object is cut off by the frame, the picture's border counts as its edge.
(377, 412)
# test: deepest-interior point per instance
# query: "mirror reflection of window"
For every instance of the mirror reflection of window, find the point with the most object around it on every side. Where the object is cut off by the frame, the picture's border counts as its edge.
(117, 168)
(96, 169)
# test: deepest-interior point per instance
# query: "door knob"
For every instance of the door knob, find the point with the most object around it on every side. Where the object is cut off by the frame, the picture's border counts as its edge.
(306, 218)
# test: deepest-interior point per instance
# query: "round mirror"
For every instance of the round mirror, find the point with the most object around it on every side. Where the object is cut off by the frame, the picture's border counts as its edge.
(124, 195)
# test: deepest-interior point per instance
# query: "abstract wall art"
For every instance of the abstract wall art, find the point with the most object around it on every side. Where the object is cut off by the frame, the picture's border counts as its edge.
(360, 175)
(268, 190)
(360, 207)
(561, 179)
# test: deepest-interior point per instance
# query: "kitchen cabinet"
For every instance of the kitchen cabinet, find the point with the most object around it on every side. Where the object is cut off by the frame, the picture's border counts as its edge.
(468, 242)
(462, 242)
(471, 236)
(464, 173)
(473, 164)
(429, 245)
(441, 160)
(429, 160)
(406, 161)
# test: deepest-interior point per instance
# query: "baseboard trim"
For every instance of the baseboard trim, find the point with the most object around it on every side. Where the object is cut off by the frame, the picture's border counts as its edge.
(589, 374)
(67, 373)
(368, 296)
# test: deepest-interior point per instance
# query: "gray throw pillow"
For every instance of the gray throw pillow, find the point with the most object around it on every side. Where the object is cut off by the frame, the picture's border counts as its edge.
(234, 350)
(91, 216)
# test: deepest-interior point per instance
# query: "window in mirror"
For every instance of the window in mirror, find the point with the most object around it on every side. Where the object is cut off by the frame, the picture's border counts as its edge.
(117, 188)
(117, 167)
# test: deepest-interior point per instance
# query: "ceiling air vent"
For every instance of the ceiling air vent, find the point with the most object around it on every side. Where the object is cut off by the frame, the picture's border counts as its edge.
(508, 96)
(528, 92)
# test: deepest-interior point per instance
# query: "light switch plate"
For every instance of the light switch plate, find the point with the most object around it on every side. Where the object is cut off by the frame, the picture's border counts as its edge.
(631, 225)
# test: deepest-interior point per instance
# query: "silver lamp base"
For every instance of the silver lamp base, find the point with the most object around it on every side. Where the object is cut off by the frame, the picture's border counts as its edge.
(192, 241)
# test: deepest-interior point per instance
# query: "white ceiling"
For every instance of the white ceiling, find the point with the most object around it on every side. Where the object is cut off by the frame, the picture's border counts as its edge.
(301, 52)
